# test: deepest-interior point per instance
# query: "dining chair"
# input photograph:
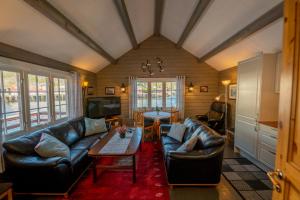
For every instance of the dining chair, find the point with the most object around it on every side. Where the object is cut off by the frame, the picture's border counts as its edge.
(148, 125)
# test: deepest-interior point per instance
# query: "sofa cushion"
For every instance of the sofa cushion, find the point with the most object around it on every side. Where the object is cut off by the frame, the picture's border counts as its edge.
(79, 125)
(190, 143)
(170, 147)
(94, 126)
(50, 146)
(24, 144)
(190, 130)
(65, 133)
(209, 138)
(167, 140)
(86, 142)
(77, 155)
(177, 131)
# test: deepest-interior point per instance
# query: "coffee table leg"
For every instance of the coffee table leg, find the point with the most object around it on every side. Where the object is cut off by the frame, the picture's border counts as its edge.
(133, 169)
(95, 170)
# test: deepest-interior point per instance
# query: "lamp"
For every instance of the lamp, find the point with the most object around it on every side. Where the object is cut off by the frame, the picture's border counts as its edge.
(191, 87)
(123, 88)
(85, 85)
(226, 83)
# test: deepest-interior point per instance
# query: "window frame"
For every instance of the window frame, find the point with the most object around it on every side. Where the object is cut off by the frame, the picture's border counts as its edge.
(67, 97)
(21, 104)
(149, 81)
(7, 64)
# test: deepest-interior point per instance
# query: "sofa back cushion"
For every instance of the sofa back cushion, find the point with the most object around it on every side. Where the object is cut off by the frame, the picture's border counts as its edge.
(191, 126)
(209, 138)
(65, 133)
(24, 144)
(79, 125)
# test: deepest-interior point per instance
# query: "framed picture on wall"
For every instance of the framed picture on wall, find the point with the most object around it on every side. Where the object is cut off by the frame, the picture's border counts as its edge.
(203, 88)
(232, 91)
(110, 91)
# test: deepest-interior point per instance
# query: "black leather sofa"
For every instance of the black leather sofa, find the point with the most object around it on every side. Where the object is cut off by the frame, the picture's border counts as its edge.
(202, 166)
(31, 173)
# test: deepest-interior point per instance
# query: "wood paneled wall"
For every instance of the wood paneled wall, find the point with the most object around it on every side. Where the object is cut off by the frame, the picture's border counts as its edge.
(228, 74)
(177, 61)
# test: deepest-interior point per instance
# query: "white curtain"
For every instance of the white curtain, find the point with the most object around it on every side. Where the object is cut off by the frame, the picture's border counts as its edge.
(132, 95)
(76, 104)
(2, 139)
(180, 80)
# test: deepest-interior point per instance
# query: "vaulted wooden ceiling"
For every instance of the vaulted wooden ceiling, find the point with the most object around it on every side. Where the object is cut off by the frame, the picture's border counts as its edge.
(91, 34)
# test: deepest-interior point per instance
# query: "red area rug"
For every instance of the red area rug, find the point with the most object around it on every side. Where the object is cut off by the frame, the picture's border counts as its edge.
(150, 184)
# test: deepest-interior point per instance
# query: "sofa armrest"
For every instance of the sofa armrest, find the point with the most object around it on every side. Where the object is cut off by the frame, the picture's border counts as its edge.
(165, 128)
(33, 161)
(197, 154)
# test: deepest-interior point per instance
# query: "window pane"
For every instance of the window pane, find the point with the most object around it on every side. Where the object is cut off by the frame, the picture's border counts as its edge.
(171, 94)
(11, 100)
(142, 94)
(39, 99)
(156, 94)
(13, 122)
(60, 97)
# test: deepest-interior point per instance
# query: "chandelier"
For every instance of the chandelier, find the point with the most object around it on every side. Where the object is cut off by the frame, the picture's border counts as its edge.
(146, 67)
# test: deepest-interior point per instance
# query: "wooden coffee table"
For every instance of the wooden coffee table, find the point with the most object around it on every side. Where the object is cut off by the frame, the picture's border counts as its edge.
(134, 145)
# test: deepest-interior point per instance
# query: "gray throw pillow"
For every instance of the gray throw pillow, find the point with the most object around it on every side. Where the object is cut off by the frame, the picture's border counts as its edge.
(94, 126)
(177, 131)
(49, 146)
(191, 143)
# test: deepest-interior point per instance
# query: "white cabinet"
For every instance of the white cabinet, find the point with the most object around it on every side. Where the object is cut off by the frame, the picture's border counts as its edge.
(267, 145)
(256, 101)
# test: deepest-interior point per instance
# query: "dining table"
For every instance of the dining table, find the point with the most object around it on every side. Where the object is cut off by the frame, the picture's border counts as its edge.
(157, 116)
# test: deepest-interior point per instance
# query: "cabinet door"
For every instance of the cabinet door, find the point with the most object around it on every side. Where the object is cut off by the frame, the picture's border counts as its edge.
(249, 73)
(246, 136)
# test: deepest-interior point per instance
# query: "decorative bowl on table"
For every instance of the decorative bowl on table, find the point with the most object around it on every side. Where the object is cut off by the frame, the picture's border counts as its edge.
(122, 131)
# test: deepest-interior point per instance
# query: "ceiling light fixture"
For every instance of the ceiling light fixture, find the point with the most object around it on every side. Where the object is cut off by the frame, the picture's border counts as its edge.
(146, 67)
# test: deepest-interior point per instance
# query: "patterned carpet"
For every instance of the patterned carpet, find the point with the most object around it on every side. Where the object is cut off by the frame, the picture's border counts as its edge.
(247, 179)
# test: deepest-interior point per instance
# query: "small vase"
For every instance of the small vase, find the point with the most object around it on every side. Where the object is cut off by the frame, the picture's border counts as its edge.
(122, 135)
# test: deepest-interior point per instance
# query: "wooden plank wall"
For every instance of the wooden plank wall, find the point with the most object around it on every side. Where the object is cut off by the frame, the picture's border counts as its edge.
(177, 61)
(228, 74)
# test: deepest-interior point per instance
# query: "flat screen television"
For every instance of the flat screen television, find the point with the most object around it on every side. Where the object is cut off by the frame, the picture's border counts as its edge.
(98, 107)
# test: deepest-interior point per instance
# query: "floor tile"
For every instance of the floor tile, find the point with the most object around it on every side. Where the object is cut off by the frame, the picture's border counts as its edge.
(241, 185)
(232, 176)
(265, 194)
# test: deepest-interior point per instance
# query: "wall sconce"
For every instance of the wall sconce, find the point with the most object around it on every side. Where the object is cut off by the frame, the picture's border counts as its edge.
(191, 87)
(85, 85)
(123, 88)
(226, 82)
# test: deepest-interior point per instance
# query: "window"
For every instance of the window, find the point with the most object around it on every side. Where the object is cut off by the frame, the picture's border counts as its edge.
(60, 98)
(142, 94)
(32, 97)
(156, 94)
(152, 93)
(38, 89)
(11, 113)
(171, 94)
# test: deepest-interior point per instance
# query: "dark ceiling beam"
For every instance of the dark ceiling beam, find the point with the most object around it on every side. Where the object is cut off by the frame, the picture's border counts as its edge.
(122, 10)
(270, 16)
(159, 6)
(198, 12)
(16, 53)
(53, 14)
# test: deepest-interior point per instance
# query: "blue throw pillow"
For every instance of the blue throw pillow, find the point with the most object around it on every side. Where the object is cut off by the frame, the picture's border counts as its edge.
(49, 146)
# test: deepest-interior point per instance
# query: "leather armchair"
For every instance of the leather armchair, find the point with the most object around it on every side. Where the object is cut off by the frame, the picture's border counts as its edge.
(215, 118)
(203, 165)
